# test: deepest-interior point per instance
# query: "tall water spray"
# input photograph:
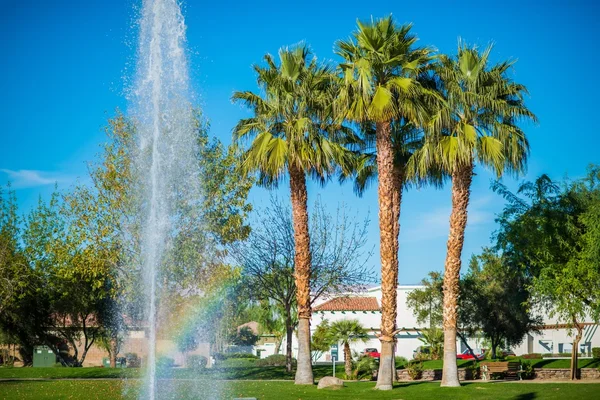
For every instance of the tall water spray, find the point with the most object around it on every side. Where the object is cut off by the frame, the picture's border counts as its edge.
(167, 169)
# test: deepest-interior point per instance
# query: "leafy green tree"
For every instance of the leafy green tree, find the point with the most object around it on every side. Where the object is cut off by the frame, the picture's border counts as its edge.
(269, 316)
(426, 302)
(550, 232)
(495, 301)
(320, 340)
(379, 89)
(293, 133)
(479, 124)
(347, 331)
(13, 265)
(244, 337)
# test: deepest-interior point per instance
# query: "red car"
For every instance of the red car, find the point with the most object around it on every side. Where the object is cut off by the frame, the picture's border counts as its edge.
(371, 352)
(466, 355)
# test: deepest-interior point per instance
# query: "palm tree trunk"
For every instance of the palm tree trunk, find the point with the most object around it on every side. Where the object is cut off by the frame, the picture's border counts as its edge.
(461, 187)
(347, 360)
(388, 252)
(302, 262)
(397, 203)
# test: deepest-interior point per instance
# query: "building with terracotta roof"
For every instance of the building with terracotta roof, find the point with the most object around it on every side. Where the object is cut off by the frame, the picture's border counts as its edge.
(366, 307)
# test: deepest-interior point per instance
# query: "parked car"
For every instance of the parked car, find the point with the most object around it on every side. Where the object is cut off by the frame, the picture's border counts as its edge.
(371, 352)
(422, 352)
(466, 355)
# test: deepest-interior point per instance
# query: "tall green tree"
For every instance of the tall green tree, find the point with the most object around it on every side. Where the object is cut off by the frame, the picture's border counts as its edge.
(347, 331)
(551, 232)
(478, 125)
(293, 134)
(496, 301)
(13, 265)
(379, 86)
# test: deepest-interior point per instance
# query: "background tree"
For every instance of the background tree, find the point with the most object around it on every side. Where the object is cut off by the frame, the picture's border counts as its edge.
(269, 316)
(379, 86)
(496, 301)
(479, 124)
(551, 233)
(293, 134)
(320, 340)
(244, 336)
(267, 258)
(426, 302)
(347, 331)
(13, 265)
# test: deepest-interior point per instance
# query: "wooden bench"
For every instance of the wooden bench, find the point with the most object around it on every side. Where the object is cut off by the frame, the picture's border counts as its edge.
(510, 369)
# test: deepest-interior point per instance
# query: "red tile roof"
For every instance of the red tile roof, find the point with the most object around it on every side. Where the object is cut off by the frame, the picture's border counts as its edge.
(349, 304)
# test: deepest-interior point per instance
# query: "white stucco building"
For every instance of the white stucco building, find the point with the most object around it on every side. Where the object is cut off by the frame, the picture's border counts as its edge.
(366, 307)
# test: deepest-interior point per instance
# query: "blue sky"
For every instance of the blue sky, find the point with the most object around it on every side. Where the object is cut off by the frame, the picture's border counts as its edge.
(65, 65)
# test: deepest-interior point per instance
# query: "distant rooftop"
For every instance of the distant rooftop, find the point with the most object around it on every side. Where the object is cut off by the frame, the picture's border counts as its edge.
(349, 304)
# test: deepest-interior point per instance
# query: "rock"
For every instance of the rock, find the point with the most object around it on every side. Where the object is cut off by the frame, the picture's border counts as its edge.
(330, 381)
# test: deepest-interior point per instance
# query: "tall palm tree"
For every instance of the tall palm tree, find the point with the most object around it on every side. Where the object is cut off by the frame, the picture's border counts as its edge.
(479, 124)
(347, 331)
(379, 73)
(292, 133)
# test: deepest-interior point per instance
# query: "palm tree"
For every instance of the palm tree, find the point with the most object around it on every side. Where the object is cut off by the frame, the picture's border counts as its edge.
(292, 133)
(380, 86)
(347, 331)
(479, 124)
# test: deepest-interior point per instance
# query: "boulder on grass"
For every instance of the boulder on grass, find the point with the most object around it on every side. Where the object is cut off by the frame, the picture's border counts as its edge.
(330, 382)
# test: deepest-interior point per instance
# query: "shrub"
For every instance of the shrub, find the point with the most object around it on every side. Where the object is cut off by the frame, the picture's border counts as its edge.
(225, 356)
(531, 356)
(526, 370)
(274, 360)
(596, 352)
(196, 362)
(364, 367)
(132, 360)
(165, 362)
(415, 369)
(237, 363)
(510, 358)
(401, 362)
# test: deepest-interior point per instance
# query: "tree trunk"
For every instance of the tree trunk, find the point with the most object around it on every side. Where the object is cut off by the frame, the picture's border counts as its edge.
(461, 186)
(388, 223)
(289, 331)
(347, 360)
(397, 204)
(575, 351)
(302, 265)
(113, 351)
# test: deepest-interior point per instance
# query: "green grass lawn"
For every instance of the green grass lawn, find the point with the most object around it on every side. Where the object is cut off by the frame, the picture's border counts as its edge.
(215, 390)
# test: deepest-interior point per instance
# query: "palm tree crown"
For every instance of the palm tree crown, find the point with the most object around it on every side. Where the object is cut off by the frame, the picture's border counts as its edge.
(291, 124)
(480, 120)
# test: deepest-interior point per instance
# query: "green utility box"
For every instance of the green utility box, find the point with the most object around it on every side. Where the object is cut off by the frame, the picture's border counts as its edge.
(43, 357)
